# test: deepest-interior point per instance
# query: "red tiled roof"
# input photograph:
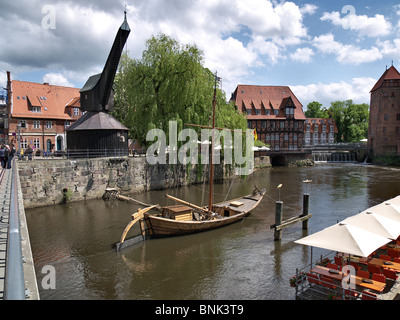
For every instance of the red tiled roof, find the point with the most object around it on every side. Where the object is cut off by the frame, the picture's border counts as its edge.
(389, 74)
(268, 97)
(51, 99)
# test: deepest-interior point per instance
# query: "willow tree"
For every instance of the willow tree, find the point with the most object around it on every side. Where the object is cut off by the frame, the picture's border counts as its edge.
(169, 83)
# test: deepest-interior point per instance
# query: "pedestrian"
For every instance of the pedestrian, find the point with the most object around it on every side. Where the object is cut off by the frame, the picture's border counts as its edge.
(6, 156)
(2, 155)
(30, 151)
(11, 156)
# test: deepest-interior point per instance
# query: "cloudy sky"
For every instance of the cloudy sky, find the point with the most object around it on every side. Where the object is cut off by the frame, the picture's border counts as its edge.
(324, 50)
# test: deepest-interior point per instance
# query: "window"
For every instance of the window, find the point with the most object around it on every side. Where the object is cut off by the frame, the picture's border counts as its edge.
(263, 124)
(36, 109)
(67, 123)
(276, 112)
(398, 116)
(36, 124)
(248, 111)
(282, 124)
(36, 143)
(258, 112)
(386, 117)
(22, 123)
(24, 143)
(76, 111)
(268, 112)
(49, 124)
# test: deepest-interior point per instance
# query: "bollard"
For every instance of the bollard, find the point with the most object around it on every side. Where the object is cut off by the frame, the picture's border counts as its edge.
(278, 220)
(306, 207)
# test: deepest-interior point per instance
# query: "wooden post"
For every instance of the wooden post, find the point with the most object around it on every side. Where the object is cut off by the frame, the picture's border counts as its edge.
(278, 220)
(306, 207)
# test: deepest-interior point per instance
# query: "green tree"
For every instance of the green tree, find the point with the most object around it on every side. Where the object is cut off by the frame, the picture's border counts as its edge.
(314, 110)
(351, 120)
(169, 83)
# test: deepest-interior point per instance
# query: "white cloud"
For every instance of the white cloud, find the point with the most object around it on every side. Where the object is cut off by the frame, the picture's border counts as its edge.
(346, 54)
(308, 9)
(357, 90)
(390, 49)
(302, 55)
(366, 26)
(56, 79)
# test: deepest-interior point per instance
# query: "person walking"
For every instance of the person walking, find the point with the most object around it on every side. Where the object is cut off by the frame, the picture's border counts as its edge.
(6, 156)
(30, 152)
(2, 155)
(11, 156)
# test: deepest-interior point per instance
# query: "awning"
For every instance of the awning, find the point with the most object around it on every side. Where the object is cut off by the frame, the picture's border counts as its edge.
(345, 238)
(375, 223)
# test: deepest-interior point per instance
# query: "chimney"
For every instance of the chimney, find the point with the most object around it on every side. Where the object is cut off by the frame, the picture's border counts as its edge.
(46, 83)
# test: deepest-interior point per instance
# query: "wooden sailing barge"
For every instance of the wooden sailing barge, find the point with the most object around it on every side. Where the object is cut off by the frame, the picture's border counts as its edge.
(187, 218)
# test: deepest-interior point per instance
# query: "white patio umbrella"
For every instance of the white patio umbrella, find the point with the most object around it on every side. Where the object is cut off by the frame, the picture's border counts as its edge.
(375, 223)
(346, 238)
(387, 209)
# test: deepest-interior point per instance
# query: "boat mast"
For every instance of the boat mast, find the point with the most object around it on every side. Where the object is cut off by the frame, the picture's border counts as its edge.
(211, 180)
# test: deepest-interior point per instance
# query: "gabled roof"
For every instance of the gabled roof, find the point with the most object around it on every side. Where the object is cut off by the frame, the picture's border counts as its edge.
(268, 97)
(52, 100)
(389, 74)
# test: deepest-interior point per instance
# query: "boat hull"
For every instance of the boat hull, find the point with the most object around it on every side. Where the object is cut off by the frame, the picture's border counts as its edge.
(163, 227)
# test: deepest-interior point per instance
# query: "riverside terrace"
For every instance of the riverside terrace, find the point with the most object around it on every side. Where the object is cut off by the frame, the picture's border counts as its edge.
(374, 280)
(365, 262)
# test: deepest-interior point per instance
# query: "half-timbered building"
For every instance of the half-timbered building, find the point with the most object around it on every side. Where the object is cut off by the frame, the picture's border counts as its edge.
(275, 113)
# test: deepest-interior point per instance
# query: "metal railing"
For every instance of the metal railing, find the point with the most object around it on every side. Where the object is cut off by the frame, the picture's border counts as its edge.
(75, 153)
(305, 290)
(14, 287)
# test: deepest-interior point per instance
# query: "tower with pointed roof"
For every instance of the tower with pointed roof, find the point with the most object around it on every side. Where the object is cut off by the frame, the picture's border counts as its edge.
(384, 115)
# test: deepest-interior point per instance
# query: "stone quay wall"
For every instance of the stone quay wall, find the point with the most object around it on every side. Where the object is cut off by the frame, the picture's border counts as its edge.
(49, 181)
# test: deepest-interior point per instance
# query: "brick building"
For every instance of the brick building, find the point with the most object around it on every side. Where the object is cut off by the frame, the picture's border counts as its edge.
(384, 116)
(275, 113)
(43, 112)
(319, 131)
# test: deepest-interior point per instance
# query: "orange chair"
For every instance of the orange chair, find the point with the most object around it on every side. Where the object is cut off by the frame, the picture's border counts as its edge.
(378, 277)
(355, 265)
(385, 257)
(363, 274)
(313, 278)
(390, 274)
(332, 266)
(366, 295)
(374, 269)
(351, 293)
(328, 283)
(393, 253)
(338, 261)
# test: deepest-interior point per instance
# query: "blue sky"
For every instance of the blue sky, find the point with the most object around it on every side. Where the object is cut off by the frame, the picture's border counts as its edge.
(323, 50)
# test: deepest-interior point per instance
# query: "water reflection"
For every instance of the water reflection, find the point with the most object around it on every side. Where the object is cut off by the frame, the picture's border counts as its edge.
(241, 261)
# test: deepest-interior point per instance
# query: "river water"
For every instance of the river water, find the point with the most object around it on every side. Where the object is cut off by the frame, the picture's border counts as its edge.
(240, 261)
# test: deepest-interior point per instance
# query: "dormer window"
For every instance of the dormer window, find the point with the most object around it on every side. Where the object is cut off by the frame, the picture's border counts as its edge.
(36, 109)
(289, 111)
